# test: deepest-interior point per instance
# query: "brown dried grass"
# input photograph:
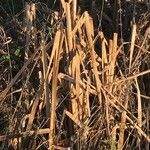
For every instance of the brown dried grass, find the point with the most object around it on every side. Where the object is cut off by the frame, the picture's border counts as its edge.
(85, 99)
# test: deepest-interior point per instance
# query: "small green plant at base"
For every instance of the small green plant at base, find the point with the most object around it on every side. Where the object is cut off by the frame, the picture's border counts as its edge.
(18, 52)
(5, 58)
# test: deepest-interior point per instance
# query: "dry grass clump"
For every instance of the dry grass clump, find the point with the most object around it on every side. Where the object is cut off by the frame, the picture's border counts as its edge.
(71, 86)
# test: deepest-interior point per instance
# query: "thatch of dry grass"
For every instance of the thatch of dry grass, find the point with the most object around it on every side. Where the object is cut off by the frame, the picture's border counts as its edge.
(79, 89)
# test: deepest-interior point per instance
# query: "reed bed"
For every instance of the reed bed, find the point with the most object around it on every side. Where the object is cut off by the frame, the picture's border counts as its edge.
(75, 88)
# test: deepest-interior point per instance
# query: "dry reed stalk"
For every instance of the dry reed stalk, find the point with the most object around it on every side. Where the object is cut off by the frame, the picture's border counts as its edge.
(33, 110)
(45, 68)
(33, 28)
(50, 75)
(52, 57)
(148, 125)
(66, 48)
(113, 53)
(122, 127)
(72, 66)
(132, 44)
(74, 10)
(69, 26)
(74, 98)
(104, 57)
(25, 134)
(60, 38)
(104, 51)
(113, 49)
(30, 27)
(110, 50)
(90, 34)
(139, 121)
(75, 92)
(86, 88)
(63, 3)
(78, 90)
(143, 96)
(77, 101)
(87, 102)
(110, 59)
(107, 112)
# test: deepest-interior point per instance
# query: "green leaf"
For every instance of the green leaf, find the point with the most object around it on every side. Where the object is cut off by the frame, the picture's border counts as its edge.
(18, 52)
(5, 58)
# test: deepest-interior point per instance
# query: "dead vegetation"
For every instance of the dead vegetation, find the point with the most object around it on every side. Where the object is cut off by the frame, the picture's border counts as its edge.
(75, 79)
